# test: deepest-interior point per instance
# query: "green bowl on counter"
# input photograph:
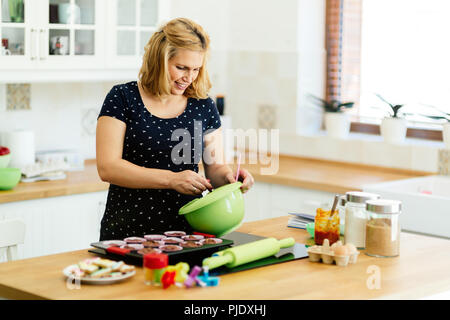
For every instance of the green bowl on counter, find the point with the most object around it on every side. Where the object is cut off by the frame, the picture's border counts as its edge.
(9, 178)
(218, 212)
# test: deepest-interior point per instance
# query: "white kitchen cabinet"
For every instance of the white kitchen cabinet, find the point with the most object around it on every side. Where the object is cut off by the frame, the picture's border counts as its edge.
(45, 38)
(130, 25)
(57, 224)
(76, 39)
(267, 200)
(16, 34)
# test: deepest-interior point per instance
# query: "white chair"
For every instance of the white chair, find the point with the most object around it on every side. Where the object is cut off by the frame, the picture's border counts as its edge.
(12, 233)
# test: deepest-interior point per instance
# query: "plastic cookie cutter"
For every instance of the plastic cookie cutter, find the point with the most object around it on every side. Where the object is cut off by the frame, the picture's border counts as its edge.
(181, 272)
(192, 277)
(207, 279)
(168, 278)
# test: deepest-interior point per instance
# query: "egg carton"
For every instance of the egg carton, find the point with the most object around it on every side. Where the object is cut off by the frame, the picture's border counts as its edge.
(340, 254)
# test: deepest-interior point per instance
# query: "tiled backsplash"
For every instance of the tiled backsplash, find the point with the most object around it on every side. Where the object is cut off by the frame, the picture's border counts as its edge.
(62, 115)
(262, 78)
(89, 121)
(18, 97)
(444, 162)
(267, 117)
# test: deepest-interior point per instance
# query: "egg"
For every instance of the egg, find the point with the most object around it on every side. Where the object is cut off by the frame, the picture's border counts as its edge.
(341, 251)
(336, 244)
(351, 248)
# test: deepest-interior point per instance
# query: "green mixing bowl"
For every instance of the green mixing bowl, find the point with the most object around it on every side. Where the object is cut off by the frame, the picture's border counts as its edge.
(4, 160)
(218, 212)
(9, 178)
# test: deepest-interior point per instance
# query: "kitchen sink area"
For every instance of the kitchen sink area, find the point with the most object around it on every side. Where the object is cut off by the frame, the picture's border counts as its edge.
(425, 202)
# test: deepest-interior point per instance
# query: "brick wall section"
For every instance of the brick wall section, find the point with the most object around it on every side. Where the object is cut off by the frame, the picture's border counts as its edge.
(343, 43)
(334, 48)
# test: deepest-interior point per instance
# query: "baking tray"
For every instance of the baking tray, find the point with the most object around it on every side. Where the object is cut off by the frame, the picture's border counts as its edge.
(195, 256)
(192, 256)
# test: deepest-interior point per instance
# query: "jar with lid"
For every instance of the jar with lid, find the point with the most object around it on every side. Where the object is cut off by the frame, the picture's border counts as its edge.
(383, 228)
(326, 226)
(341, 208)
(356, 217)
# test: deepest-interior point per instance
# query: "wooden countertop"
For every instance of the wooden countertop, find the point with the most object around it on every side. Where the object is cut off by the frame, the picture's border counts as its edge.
(305, 173)
(76, 182)
(329, 176)
(421, 270)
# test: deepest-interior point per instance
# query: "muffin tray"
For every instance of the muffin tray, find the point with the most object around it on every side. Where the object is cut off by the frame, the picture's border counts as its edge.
(179, 248)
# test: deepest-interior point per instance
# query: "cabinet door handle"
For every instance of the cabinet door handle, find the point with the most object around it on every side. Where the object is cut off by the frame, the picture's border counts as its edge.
(33, 44)
(42, 42)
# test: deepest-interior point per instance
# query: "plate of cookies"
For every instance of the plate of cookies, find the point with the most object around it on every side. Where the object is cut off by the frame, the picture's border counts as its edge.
(99, 271)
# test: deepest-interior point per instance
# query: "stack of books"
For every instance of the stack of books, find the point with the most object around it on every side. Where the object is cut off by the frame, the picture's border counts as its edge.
(300, 220)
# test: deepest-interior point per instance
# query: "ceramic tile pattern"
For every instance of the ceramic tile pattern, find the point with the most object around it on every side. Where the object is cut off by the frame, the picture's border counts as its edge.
(444, 162)
(267, 117)
(18, 97)
(257, 79)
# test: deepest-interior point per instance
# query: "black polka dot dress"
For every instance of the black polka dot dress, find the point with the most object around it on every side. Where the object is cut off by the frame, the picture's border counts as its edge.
(174, 144)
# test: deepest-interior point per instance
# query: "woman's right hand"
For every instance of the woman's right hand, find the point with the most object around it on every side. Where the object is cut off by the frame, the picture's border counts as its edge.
(189, 182)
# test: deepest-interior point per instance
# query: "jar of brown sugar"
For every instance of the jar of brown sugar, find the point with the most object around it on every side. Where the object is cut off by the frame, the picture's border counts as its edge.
(383, 228)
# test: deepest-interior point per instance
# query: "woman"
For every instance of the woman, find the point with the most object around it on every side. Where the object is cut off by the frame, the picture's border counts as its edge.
(152, 133)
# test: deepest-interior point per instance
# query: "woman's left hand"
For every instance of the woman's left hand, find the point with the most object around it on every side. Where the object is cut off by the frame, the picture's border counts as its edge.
(245, 177)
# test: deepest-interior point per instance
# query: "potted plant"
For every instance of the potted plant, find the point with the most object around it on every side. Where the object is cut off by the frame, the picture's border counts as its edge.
(393, 128)
(337, 122)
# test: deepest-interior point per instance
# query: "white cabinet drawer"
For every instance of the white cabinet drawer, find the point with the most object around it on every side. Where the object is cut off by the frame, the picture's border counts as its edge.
(57, 224)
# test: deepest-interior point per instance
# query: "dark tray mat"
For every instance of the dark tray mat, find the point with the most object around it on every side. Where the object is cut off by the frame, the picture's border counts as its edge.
(189, 255)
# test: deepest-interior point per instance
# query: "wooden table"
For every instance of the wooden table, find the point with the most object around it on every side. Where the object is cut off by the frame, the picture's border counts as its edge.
(420, 271)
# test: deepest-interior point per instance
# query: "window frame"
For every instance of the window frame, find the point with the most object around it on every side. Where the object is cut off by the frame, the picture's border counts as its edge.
(335, 19)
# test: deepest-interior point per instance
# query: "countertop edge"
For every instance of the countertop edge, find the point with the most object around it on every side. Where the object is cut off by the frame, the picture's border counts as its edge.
(87, 181)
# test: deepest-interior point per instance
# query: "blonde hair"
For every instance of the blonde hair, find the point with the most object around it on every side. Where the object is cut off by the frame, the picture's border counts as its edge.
(179, 33)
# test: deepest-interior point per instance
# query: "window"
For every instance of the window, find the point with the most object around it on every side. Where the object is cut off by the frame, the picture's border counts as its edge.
(397, 49)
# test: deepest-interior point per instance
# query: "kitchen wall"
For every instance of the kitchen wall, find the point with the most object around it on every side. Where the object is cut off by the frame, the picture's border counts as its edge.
(272, 55)
(266, 57)
(61, 115)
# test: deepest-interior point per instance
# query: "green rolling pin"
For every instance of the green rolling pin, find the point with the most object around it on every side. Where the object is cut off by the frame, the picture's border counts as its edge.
(248, 252)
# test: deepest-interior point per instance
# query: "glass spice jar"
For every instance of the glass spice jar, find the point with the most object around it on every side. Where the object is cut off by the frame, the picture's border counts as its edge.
(383, 228)
(341, 208)
(326, 226)
(356, 217)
